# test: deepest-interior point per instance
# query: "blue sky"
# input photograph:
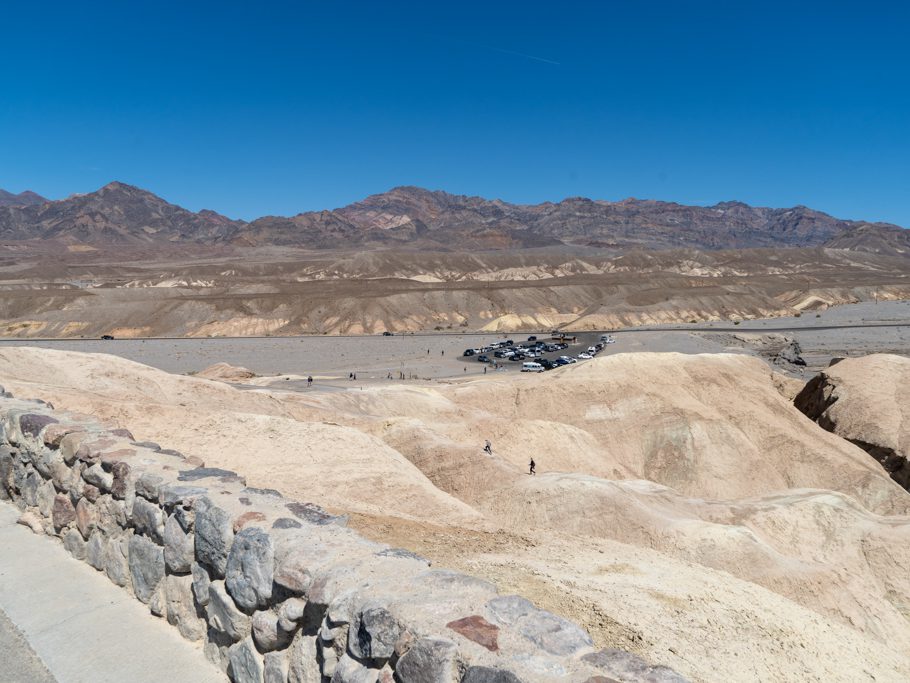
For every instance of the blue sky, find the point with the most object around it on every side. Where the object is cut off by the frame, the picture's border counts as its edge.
(275, 108)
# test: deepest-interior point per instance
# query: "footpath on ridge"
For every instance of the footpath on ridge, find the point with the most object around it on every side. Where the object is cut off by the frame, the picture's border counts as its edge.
(80, 627)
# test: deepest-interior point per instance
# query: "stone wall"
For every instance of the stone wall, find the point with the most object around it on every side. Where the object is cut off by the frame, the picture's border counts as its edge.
(275, 590)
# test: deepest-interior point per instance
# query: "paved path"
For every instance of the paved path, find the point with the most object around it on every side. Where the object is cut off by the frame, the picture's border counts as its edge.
(80, 627)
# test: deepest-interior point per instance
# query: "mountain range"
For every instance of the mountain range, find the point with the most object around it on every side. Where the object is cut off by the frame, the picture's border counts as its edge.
(27, 198)
(415, 218)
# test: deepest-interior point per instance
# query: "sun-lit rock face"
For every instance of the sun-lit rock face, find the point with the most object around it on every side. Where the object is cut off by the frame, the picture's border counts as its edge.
(866, 401)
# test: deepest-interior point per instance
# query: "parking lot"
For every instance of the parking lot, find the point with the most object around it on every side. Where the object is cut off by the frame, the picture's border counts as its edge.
(540, 352)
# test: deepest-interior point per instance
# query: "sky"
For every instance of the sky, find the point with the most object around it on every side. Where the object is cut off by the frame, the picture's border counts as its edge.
(265, 108)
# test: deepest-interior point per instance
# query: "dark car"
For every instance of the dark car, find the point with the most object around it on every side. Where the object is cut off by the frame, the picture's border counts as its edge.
(561, 361)
(107, 337)
(547, 364)
(508, 342)
(517, 356)
(532, 338)
(483, 358)
(468, 352)
(499, 353)
(386, 334)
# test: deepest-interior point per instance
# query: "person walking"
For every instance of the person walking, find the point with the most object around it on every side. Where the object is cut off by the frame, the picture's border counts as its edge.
(488, 448)
(309, 381)
(532, 467)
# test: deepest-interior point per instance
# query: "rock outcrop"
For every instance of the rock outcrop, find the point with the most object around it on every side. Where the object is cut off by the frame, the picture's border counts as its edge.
(866, 401)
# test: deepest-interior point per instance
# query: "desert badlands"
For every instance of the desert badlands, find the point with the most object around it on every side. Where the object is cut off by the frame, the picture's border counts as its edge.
(683, 509)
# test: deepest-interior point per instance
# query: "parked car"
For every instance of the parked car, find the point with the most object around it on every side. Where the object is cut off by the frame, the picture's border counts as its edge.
(531, 366)
(532, 338)
(547, 364)
(107, 337)
(468, 352)
(562, 361)
(517, 356)
(499, 353)
(483, 358)
(568, 359)
(386, 334)
(585, 356)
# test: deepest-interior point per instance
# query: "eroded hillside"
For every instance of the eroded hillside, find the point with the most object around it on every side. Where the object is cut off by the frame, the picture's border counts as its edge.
(683, 508)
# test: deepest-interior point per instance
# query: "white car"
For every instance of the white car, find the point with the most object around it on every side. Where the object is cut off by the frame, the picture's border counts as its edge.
(585, 356)
(592, 350)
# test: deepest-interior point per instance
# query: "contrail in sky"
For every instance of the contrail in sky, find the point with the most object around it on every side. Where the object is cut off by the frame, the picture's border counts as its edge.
(522, 54)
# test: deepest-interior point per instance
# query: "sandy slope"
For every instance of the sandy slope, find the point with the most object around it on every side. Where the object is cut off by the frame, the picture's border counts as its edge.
(683, 508)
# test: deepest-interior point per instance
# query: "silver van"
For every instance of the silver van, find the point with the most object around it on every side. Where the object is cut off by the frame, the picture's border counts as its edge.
(531, 367)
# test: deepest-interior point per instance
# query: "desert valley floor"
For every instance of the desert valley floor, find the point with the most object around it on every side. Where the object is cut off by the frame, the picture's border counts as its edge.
(683, 509)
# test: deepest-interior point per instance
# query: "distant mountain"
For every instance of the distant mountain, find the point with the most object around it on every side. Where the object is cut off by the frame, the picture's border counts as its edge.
(874, 238)
(115, 214)
(414, 218)
(27, 198)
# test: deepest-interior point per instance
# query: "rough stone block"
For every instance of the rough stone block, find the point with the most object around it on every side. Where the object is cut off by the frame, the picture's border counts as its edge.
(178, 547)
(148, 485)
(290, 613)
(201, 583)
(63, 512)
(94, 552)
(96, 476)
(122, 486)
(478, 630)
(267, 632)
(349, 670)
(86, 517)
(182, 609)
(246, 664)
(148, 519)
(223, 615)
(30, 489)
(31, 424)
(373, 634)
(146, 563)
(32, 521)
(214, 535)
(303, 666)
(250, 568)
(116, 560)
(430, 660)
(46, 495)
(74, 544)
(276, 667)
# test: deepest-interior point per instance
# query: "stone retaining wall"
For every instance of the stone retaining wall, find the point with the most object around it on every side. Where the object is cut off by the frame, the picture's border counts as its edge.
(275, 590)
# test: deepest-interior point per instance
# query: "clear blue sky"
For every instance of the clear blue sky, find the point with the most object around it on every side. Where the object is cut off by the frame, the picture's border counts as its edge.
(275, 108)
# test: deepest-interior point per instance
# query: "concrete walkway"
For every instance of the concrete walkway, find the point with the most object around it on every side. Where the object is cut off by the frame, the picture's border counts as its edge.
(65, 622)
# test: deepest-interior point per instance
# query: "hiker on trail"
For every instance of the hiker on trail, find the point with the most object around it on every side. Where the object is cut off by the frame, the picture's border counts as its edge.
(442, 353)
(354, 377)
(484, 369)
(350, 375)
(309, 381)
(488, 448)
(532, 466)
